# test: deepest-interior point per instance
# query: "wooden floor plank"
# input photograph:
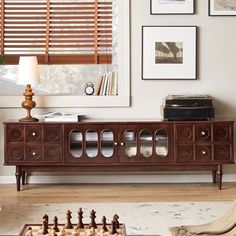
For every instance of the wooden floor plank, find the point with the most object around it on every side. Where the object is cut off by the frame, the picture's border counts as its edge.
(116, 193)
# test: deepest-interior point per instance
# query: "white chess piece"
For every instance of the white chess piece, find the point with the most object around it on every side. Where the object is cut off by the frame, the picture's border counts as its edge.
(62, 232)
(53, 232)
(29, 232)
(89, 232)
(75, 231)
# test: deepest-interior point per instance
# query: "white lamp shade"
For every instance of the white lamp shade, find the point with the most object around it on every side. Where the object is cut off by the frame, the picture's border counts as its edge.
(28, 71)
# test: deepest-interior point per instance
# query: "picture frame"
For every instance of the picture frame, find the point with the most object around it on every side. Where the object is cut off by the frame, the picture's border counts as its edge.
(169, 52)
(222, 7)
(172, 7)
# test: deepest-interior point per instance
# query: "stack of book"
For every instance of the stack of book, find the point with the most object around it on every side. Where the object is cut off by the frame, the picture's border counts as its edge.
(59, 116)
(108, 84)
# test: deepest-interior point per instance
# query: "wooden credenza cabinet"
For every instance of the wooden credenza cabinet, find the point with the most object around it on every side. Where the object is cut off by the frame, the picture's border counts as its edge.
(119, 146)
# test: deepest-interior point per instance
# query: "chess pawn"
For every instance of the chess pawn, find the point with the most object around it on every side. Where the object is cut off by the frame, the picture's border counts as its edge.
(103, 233)
(104, 224)
(55, 226)
(93, 230)
(76, 232)
(62, 232)
(113, 227)
(90, 233)
(53, 233)
(45, 227)
(29, 232)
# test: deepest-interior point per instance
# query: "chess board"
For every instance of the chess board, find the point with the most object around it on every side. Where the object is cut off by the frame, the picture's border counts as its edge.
(86, 231)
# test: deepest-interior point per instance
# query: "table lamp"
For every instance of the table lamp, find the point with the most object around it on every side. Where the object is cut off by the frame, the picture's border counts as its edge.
(28, 74)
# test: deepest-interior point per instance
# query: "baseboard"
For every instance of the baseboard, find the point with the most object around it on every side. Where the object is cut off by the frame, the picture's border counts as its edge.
(115, 179)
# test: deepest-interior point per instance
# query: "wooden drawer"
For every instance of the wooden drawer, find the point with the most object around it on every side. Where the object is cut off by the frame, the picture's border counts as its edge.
(222, 132)
(52, 133)
(203, 153)
(15, 133)
(202, 133)
(33, 153)
(33, 134)
(15, 153)
(222, 153)
(53, 153)
(184, 133)
(184, 153)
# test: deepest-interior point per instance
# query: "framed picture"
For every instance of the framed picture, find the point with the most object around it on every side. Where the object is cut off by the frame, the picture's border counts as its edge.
(222, 7)
(169, 52)
(171, 7)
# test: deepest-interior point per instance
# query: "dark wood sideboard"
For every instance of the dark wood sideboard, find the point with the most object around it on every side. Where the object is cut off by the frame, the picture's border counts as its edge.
(118, 146)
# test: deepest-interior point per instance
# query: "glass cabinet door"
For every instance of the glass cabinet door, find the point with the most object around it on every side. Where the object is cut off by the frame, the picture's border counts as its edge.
(76, 143)
(161, 143)
(107, 143)
(146, 142)
(93, 144)
(130, 143)
(91, 147)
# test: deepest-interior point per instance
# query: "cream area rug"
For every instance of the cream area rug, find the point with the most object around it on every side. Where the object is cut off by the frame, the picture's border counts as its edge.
(225, 225)
(139, 218)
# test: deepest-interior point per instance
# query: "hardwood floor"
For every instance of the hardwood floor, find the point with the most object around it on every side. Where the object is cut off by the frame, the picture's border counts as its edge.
(116, 193)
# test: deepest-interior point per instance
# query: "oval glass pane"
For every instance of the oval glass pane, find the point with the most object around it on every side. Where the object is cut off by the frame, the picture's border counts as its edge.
(130, 142)
(146, 143)
(91, 139)
(161, 143)
(76, 144)
(107, 143)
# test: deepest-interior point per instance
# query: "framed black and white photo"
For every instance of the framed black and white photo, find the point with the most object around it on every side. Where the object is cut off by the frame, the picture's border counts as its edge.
(169, 52)
(222, 7)
(171, 7)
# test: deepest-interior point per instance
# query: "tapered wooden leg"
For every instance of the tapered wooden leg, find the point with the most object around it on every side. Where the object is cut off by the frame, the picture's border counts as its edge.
(219, 176)
(214, 176)
(23, 178)
(18, 177)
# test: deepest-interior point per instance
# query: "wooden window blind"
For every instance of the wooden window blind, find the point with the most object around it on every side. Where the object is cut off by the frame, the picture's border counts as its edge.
(57, 31)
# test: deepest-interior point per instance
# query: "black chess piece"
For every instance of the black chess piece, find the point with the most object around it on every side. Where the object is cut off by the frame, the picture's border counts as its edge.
(55, 226)
(68, 223)
(115, 218)
(113, 227)
(45, 227)
(93, 223)
(104, 224)
(45, 217)
(80, 224)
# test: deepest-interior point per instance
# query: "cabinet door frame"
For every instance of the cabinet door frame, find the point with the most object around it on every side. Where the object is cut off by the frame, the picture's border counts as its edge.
(139, 157)
(84, 158)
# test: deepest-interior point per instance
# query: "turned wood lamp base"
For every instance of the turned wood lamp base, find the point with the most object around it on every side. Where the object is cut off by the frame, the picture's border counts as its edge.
(28, 104)
(28, 119)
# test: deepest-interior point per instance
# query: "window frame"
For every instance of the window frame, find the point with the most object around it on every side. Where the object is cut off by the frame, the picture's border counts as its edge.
(123, 97)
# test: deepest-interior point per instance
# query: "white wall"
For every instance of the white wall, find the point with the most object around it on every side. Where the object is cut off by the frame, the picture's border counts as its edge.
(216, 74)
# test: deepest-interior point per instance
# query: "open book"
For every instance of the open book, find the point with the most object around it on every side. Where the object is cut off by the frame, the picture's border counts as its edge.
(60, 116)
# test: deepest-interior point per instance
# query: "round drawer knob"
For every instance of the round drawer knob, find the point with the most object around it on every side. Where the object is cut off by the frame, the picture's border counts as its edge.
(204, 152)
(122, 144)
(115, 143)
(33, 153)
(203, 133)
(33, 134)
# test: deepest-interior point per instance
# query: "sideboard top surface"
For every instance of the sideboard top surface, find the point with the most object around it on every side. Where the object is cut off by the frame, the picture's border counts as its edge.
(117, 121)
